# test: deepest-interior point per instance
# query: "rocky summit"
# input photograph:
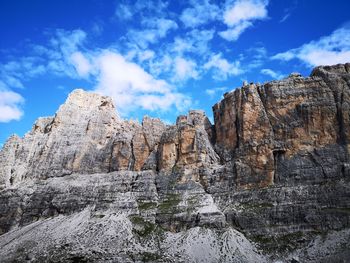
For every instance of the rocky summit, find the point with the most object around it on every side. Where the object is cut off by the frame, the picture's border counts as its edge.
(269, 181)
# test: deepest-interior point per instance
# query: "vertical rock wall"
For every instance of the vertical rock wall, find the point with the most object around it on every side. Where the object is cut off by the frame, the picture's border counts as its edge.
(258, 125)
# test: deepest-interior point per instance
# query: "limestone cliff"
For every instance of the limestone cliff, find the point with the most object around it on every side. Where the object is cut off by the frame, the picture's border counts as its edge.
(269, 180)
(262, 127)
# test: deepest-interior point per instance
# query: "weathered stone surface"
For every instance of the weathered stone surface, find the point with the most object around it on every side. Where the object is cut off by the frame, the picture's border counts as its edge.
(256, 126)
(85, 136)
(86, 185)
(188, 143)
(8, 160)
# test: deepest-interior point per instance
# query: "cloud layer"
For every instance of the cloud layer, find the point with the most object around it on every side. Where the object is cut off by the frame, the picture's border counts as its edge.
(328, 50)
(162, 52)
(148, 67)
(132, 87)
(240, 15)
(10, 105)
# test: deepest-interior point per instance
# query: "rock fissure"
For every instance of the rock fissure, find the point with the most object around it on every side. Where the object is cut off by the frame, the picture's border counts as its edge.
(132, 159)
(263, 102)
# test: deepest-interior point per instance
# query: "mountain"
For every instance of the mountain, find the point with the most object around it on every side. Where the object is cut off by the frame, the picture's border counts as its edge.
(268, 181)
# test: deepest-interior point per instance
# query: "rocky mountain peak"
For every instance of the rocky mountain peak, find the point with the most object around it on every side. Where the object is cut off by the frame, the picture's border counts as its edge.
(335, 69)
(268, 180)
(87, 106)
(86, 99)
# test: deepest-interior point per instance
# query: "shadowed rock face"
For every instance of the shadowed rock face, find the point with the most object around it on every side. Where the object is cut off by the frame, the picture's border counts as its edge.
(273, 168)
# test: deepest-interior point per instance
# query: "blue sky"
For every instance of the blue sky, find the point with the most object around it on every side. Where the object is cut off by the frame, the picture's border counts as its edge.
(155, 57)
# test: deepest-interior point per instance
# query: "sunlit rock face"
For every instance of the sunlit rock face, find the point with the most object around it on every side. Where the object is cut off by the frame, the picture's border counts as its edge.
(264, 128)
(269, 180)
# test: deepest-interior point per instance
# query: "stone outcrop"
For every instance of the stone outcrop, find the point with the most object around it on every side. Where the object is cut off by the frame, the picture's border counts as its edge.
(269, 180)
(259, 125)
(187, 144)
(85, 136)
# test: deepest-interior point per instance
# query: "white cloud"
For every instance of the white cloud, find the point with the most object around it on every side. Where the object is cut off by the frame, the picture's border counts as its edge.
(165, 102)
(139, 55)
(232, 34)
(14, 73)
(288, 55)
(239, 16)
(285, 17)
(328, 50)
(254, 57)
(271, 73)
(155, 29)
(52, 58)
(288, 11)
(200, 13)
(97, 28)
(81, 64)
(61, 87)
(56, 58)
(67, 41)
(185, 69)
(62, 56)
(182, 59)
(162, 25)
(12, 81)
(132, 87)
(195, 42)
(10, 104)
(145, 55)
(59, 53)
(123, 12)
(127, 10)
(244, 10)
(161, 65)
(114, 69)
(222, 68)
(212, 92)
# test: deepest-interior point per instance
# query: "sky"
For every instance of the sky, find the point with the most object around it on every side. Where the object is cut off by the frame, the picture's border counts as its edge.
(157, 58)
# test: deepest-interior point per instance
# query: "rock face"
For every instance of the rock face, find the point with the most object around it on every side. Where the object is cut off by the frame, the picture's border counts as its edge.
(261, 127)
(85, 136)
(269, 180)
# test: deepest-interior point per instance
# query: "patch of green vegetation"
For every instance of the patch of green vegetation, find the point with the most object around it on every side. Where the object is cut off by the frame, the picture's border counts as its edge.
(288, 238)
(146, 205)
(281, 243)
(78, 259)
(337, 209)
(137, 220)
(255, 206)
(261, 239)
(176, 169)
(321, 233)
(172, 184)
(173, 179)
(159, 232)
(131, 255)
(142, 227)
(148, 229)
(169, 203)
(150, 257)
(99, 215)
(192, 202)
